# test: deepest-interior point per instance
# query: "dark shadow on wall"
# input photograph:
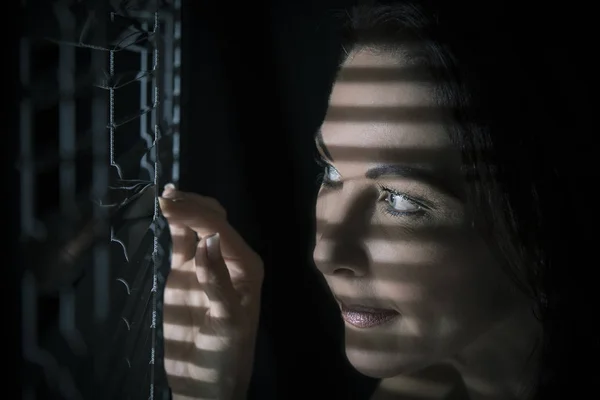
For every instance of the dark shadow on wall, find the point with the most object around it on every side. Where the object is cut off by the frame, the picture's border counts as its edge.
(257, 85)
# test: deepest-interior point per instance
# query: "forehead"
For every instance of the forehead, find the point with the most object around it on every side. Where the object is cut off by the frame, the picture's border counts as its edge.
(370, 113)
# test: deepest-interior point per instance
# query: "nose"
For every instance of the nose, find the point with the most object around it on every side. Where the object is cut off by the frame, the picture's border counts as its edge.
(343, 221)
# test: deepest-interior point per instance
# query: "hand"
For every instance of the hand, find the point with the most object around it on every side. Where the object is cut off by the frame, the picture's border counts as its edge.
(211, 301)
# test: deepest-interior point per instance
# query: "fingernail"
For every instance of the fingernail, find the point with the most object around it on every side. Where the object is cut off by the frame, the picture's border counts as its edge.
(169, 191)
(213, 247)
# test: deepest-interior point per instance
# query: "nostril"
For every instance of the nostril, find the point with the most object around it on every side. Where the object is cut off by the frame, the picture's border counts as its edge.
(346, 272)
(342, 258)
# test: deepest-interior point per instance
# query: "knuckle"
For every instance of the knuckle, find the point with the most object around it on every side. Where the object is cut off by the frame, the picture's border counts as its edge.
(256, 261)
(169, 208)
(216, 206)
(211, 203)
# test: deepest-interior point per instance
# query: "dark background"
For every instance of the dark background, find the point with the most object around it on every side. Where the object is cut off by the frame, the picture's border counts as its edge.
(264, 80)
(255, 81)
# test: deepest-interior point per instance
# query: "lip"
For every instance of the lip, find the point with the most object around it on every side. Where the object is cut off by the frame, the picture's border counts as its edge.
(366, 317)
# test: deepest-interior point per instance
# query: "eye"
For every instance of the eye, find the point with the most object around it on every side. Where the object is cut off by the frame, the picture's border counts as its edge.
(399, 204)
(332, 175)
(329, 177)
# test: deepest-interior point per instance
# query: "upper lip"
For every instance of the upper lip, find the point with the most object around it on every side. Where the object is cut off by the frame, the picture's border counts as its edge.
(365, 308)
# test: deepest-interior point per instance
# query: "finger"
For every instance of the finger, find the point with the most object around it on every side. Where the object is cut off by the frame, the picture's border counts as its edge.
(177, 195)
(204, 219)
(213, 276)
(183, 241)
(208, 202)
(183, 238)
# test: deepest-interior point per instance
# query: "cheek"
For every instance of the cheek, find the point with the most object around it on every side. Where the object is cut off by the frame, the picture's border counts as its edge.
(458, 284)
(320, 206)
(323, 197)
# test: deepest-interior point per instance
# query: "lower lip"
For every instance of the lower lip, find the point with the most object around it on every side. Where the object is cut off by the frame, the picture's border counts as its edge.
(367, 318)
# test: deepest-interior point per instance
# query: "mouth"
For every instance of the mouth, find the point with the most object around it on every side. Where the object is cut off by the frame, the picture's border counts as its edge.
(364, 317)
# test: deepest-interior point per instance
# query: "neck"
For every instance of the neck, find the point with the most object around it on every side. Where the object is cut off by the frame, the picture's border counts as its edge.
(500, 365)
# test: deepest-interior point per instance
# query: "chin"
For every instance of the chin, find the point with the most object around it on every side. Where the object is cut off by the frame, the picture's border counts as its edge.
(382, 365)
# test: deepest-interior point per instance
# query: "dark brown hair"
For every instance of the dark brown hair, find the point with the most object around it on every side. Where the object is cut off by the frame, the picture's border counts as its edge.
(487, 70)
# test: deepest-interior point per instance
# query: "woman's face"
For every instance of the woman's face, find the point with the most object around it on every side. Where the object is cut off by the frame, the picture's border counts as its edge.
(395, 242)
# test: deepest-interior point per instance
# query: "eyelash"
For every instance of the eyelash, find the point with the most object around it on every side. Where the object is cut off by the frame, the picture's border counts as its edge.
(395, 213)
(323, 181)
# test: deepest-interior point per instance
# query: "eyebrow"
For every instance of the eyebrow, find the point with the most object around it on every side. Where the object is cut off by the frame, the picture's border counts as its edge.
(321, 146)
(418, 174)
(410, 172)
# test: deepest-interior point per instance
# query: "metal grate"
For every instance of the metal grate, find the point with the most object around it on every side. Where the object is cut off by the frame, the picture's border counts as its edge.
(99, 132)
